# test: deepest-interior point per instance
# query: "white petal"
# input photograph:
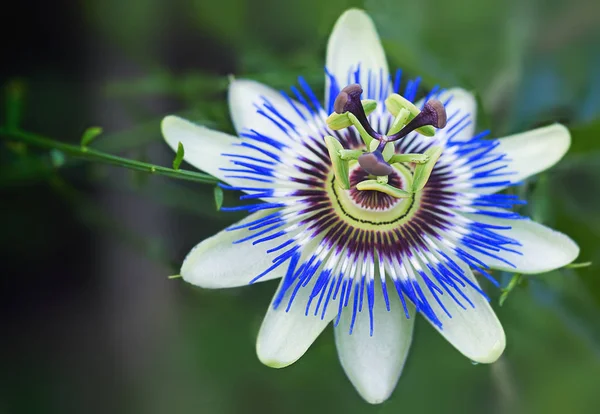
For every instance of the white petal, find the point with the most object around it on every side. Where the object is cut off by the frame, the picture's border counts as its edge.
(543, 249)
(203, 148)
(285, 336)
(354, 41)
(533, 151)
(218, 263)
(374, 363)
(462, 103)
(245, 95)
(475, 332)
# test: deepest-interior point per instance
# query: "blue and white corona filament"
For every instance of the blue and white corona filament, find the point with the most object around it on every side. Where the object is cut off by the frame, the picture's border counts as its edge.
(371, 210)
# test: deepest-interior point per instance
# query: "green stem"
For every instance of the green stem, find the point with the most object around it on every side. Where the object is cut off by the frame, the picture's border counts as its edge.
(514, 281)
(103, 157)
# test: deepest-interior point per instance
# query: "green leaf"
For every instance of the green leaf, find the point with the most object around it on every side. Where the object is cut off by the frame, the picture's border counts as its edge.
(178, 156)
(89, 135)
(218, 192)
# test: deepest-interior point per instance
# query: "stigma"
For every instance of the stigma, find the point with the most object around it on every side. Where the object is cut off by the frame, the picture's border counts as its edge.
(379, 158)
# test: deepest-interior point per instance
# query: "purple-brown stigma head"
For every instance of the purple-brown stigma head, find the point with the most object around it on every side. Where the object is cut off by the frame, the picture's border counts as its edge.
(433, 114)
(374, 164)
(348, 100)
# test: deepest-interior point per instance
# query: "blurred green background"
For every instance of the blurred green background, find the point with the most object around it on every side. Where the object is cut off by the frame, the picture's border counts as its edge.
(90, 321)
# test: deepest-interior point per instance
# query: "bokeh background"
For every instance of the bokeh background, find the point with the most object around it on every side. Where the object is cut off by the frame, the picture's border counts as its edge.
(90, 322)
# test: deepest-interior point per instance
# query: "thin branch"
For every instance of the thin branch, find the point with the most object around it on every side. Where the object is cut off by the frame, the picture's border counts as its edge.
(103, 157)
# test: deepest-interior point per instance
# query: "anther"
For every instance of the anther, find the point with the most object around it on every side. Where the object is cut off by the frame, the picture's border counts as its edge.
(433, 114)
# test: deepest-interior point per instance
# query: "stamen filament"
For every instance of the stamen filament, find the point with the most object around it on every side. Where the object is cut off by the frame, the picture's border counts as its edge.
(350, 154)
(414, 158)
(340, 166)
(423, 171)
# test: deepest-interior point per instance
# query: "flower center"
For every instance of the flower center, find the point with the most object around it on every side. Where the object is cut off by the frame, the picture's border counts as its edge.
(377, 163)
(372, 209)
